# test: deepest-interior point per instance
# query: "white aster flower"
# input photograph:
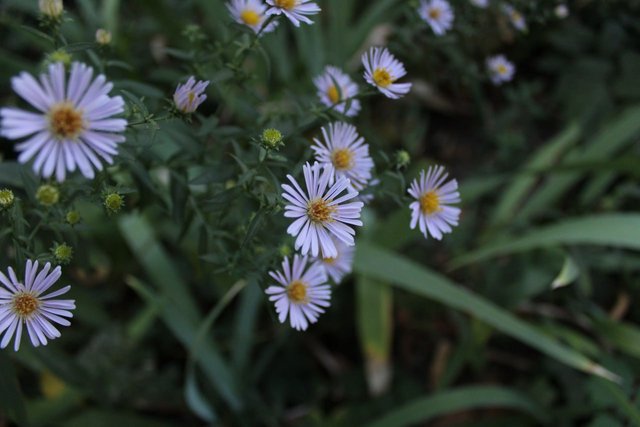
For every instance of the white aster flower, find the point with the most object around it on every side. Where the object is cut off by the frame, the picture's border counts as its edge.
(431, 209)
(339, 266)
(295, 10)
(190, 95)
(52, 8)
(345, 151)
(251, 13)
(480, 3)
(382, 70)
(515, 17)
(438, 14)
(301, 293)
(321, 211)
(74, 127)
(501, 70)
(334, 88)
(23, 305)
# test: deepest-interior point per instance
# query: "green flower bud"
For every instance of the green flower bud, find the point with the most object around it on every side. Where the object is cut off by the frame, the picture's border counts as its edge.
(59, 55)
(62, 253)
(6, 198)
(113, 202)
(271, 139)
(402, 159)
(285, 250)
(48, 195)
(73, 217)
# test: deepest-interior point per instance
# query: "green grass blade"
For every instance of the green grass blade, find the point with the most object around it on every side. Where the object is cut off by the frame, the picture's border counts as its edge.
(462, 399)
(620, 230)
(374, 262)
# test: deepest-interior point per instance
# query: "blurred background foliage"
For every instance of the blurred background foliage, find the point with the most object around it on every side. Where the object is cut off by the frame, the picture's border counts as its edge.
(524, 316)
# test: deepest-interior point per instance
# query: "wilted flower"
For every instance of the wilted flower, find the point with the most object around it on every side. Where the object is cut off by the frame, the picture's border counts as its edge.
(103, 37)
(515, 17)
(345, 151)
(501, 70)
(334, 89)
(382, 70)
(63, 253)
(271, 139)
(321, 211)
(431, 209)
(190, 95)
(23, 305)
(113, 202)
(73, 128)
(480, 3)
(47, 195)
(51, 8)
(295, 10)
(6, 198)
(251, 13)
(339, 266)
(438, 14)
(301, 292)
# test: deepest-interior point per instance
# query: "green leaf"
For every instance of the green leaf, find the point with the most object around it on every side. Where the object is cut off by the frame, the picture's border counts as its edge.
(619, 230)
(12, 402)
(374, 262)
(569, 273)
(461, 399)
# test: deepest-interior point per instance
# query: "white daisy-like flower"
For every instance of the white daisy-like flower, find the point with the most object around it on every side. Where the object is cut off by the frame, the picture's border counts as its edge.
(515, 17)
(438, 14)
(301, 293)
(295, 10)
(73, 128)
(346, 152)
(382, 70)
(321, 211)
(339, 266)
(432, 210)
(23, 305)
(334, 89)
(501, 70)
(190, 95)
(251, 13)
(480, 3)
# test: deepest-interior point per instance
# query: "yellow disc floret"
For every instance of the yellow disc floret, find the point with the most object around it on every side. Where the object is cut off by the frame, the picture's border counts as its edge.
(342, 159)
(286, 4)
(318, 210)
(297, 292)
(382, 77)
(250, 17)
(24, 305)
(65, 121)
(430, 203)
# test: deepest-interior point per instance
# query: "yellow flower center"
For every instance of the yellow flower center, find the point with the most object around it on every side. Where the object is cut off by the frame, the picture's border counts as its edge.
(286, 4)
(318, 210)
(297, 292)
(342, 159)
(434, 13)
(250, 17)
(516, 16)
(430, 203)
(65, 121)
(333, 94)
(501, 69)
(24, 305)
(329, 261)
(382, 77)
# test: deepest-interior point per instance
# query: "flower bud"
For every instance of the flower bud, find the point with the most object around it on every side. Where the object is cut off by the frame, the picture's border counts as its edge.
(73, 217)
(271, 139)
(6, 199)
(103, 37)
(48, 195)
(63, 253)
(51, 8)
(113, 202)
(402, 159)
(59, 55)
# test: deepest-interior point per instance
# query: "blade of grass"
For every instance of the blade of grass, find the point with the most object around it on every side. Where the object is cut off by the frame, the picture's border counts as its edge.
(374, 262)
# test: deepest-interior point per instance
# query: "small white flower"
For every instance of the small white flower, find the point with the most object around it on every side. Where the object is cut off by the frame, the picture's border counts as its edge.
(438, 14)
(561, 11)
(23, 305)
(480, 3)
(321, 211)
(345, 151)
(251, 13)
(501, 70)
(431, 209)
(103, 37)
(295, 10)
(190, 95)
(74, 127)
(301, 293)
(52, 8)
(515, 17)
(339, 266)
(334, 88)
(382, 70)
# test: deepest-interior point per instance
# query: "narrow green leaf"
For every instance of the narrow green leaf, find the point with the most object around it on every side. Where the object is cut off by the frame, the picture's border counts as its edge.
(462, 399)
(374, 262)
